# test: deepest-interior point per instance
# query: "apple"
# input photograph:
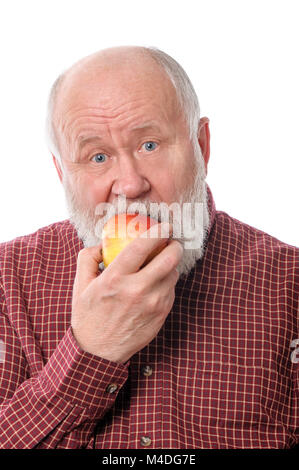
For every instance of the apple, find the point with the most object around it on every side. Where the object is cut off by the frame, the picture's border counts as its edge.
(121, 230)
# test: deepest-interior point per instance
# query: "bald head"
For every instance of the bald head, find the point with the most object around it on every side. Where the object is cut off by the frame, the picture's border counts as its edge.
(113, 69)
(113, 58)
(112, 61)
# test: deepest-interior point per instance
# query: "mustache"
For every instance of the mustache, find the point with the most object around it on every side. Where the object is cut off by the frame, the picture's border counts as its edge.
(146, 207)
(186, 218)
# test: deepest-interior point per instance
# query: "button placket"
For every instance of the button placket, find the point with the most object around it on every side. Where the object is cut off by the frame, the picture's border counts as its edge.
(144, 431)
(147, 371)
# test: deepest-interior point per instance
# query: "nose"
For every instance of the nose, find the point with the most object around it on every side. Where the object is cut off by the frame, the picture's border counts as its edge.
(129, 180)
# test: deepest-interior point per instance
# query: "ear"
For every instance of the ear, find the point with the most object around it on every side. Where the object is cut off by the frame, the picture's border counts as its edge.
(58, 167)
(204, 139)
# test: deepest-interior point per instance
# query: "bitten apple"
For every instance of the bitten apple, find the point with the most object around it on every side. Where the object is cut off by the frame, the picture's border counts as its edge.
(122, 229)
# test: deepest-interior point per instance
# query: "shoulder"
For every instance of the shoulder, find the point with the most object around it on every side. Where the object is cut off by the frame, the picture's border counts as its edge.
(49, 239)
(240, 244)
(234, 231)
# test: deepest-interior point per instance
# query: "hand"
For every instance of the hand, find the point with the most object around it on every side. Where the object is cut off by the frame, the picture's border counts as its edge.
(117, 313)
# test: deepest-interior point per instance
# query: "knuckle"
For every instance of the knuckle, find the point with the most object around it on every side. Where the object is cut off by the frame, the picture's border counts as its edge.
(113, 279)
(135, 248)
(175, 275)
(169, 300)
(134, 291)
(153, 303)
(82, 253)
(171, 261)
(161, 303)
(138, 247)
(173, 257)
(177, 247)
(86, 250)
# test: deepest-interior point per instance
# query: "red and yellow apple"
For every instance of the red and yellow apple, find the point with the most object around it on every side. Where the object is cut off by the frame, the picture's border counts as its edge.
(121, 230)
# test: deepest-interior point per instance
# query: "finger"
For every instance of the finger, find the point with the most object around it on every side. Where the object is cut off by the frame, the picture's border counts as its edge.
(134, 255)
(164, 291)
(165, 262)
(88, 265)
(169, 281)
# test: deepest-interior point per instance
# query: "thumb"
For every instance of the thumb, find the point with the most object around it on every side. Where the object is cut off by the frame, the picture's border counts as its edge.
(88, 265)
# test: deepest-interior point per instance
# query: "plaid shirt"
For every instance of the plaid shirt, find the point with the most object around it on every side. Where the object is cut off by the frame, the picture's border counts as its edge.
(219, 374)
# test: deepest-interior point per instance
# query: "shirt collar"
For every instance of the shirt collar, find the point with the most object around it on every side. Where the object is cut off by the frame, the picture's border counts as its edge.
(211, 209)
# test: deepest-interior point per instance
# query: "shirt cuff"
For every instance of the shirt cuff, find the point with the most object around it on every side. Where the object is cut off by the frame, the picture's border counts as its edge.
(80, 377)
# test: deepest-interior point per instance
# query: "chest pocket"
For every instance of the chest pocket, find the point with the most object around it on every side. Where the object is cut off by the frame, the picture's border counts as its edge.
(231, 406)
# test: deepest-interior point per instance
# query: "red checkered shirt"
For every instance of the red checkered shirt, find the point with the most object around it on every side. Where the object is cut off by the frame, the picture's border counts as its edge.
(221, 373)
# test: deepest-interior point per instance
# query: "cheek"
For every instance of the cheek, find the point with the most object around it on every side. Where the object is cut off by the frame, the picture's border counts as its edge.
(169, 187)
(178, 175)
(95, 191)
(164, 184)
(90, 190)
(164, 180)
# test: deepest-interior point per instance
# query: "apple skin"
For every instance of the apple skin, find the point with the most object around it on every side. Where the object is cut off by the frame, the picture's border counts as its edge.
(121, 230)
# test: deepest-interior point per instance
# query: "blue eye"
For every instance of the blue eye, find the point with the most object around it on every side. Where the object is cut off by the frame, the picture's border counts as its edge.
(99, 158)
(150, 146)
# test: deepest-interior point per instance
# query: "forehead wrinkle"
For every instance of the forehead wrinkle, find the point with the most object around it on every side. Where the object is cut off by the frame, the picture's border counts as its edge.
(122, 121)
(102, 112)
(84, 118)
(148, 125)
(145, 125)
(110, 105)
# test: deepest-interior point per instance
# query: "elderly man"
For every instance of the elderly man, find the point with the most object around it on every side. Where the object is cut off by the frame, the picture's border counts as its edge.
(194, 349)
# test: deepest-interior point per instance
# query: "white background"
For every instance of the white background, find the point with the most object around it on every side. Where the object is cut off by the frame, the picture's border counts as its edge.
(242, 57)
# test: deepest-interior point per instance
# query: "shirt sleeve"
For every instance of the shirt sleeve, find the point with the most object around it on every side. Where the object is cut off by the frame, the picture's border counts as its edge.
(294, 357)
(60, 406)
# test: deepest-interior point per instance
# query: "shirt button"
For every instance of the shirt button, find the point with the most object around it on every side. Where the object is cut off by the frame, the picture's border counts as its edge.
(111, 388)
(145, 441)
(147, 371)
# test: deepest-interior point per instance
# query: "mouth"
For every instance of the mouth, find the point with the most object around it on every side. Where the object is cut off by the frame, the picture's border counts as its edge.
(156, 217)
(158, 211)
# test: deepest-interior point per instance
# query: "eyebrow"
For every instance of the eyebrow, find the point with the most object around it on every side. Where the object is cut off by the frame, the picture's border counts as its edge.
(88, 140)
(148, 125)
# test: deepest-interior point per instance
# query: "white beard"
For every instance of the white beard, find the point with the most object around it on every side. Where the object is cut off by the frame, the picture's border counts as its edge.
(89, 225)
